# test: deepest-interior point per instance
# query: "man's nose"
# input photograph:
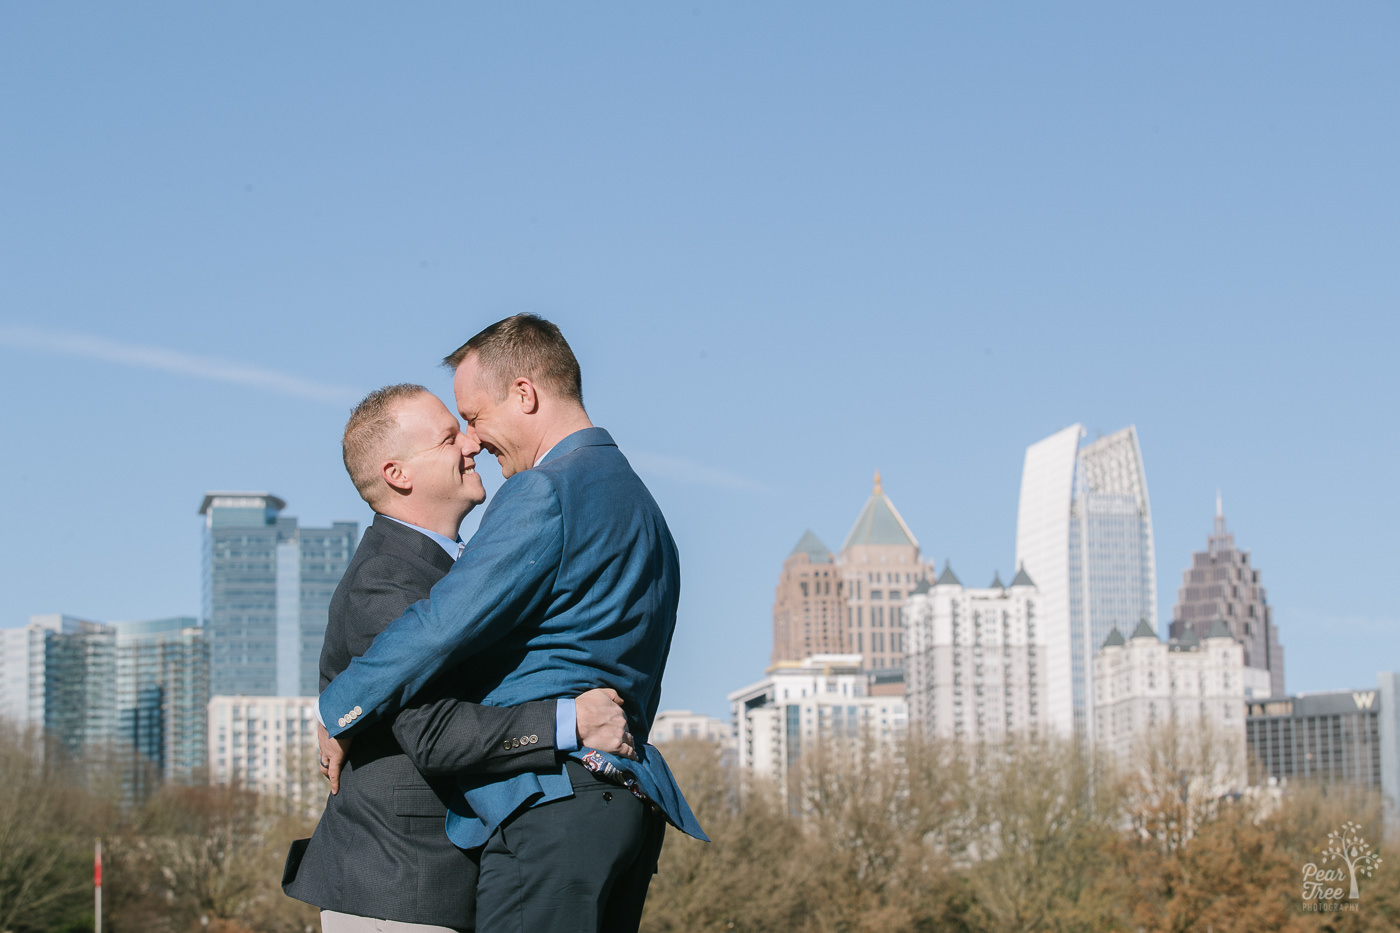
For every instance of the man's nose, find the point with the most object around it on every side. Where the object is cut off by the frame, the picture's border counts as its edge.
(471, 444)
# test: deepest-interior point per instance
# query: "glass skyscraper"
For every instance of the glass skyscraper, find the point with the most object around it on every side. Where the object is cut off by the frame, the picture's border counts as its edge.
(138, 689)
(162, 694)
(80, 683)
(1084, 534)
(267, 589)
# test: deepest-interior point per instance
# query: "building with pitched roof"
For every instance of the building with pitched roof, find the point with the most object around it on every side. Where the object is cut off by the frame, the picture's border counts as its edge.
(975, 670)
(1084, 534)
(879, 564)
(1222, 587)
(809, 612)
(1148, 690)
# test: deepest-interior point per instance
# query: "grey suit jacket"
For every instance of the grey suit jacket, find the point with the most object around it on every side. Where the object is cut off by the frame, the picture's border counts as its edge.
(380, 849)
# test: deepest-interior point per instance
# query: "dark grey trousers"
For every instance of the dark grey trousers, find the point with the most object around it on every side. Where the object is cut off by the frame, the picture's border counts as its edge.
(578, 865)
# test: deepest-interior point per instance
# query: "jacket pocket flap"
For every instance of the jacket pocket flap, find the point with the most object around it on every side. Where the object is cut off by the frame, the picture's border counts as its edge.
(417, 801)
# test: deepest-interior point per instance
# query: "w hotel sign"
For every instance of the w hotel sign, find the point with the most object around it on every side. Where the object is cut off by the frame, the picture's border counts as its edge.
(1339, 703)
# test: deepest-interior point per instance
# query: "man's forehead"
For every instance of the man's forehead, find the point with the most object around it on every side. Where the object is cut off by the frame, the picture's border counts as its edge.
(466, 387)
(424, 408)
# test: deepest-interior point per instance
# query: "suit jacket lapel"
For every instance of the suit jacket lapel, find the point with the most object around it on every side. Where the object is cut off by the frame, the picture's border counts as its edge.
(416, 543)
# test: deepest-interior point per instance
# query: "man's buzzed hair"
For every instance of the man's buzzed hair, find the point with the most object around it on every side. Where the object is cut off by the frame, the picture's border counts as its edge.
(524, 345)
(372, 429)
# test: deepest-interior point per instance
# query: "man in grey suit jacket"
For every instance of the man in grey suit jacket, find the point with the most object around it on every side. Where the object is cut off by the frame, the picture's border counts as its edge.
(571, 582)
(379, 859)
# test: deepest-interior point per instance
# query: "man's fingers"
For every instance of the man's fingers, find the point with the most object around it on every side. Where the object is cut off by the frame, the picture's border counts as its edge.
(613, 695)
(333, 772)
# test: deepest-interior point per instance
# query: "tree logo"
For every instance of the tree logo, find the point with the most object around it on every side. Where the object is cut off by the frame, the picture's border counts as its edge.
(1323, 886)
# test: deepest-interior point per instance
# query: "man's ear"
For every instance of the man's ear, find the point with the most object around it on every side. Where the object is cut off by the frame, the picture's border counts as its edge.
(523, 391)
(394, 476)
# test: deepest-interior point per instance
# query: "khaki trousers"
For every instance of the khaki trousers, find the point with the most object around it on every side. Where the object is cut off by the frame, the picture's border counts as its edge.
(332, 922)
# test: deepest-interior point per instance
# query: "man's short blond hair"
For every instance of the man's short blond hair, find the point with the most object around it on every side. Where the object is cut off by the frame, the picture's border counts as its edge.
(372, 435)
(524, 345)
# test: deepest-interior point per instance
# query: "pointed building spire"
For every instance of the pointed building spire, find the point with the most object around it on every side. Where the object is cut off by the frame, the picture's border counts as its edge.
(1220, 539)
(879, 522)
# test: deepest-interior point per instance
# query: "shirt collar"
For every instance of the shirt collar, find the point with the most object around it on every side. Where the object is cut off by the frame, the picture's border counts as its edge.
(452, 546)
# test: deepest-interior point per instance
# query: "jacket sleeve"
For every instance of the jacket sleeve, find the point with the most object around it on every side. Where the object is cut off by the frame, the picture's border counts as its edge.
(446, 735)
(503, 576)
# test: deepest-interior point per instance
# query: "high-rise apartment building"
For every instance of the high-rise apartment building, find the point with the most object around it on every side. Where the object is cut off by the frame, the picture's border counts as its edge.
(1143, 685)
(22, 653)
(80, 683)
(800, 705)
(1084, 535)
(266, 744)
(879, 565)
(1221, 585)
(267, 590)
(975, 670)
(809, 610)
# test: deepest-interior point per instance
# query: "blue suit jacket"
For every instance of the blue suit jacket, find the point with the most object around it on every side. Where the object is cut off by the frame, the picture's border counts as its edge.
(570, 583)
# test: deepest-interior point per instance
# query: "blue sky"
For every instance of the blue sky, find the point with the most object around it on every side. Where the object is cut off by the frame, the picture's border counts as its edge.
(791, 244)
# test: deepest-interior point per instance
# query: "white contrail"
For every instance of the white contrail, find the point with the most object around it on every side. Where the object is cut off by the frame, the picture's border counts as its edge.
(688, 471)
(173, 361)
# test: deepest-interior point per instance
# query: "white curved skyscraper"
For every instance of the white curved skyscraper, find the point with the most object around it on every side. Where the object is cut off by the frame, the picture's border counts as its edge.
(1084, 535)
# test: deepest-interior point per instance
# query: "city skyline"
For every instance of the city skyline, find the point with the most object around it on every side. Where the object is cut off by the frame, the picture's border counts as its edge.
(791, 246)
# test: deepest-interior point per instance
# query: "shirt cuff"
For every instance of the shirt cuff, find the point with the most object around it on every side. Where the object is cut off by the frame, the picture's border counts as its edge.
(565, 725)
(317, 707)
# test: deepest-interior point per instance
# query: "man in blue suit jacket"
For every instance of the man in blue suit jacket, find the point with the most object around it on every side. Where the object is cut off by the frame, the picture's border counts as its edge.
(570, 583)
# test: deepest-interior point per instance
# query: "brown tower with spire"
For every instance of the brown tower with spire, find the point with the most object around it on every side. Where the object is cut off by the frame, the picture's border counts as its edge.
(1221, 585)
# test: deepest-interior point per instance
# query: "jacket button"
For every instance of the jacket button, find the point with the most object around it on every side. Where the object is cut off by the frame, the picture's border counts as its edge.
(341, 720)
(507, 744)
(607, 796)
(534, 739)
(357, 711)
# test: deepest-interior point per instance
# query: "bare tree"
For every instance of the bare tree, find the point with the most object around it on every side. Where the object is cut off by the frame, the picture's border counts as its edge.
(197, 854)
(46, 836)
(754, 874)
